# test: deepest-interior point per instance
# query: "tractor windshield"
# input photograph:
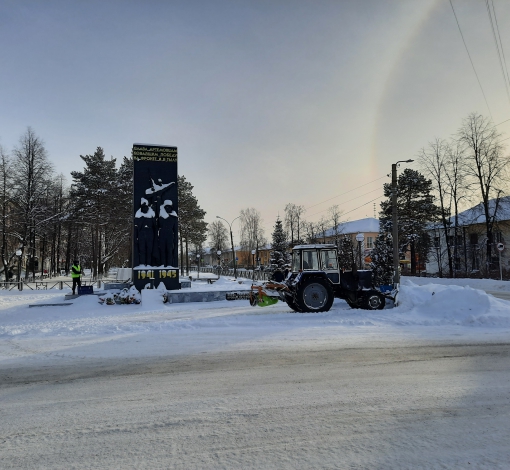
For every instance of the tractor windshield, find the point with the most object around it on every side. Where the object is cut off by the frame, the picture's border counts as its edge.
(329, 261)
(310, 260)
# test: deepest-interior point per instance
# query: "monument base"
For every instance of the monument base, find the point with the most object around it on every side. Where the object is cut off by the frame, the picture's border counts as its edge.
(151, 277)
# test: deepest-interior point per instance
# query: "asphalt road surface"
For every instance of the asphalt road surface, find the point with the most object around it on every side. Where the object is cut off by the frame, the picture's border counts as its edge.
(428, 406)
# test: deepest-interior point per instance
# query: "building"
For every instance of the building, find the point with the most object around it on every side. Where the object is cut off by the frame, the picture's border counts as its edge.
(469, 244)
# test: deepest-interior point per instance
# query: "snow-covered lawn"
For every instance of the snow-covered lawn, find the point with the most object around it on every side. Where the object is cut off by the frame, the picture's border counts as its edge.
(429, 309)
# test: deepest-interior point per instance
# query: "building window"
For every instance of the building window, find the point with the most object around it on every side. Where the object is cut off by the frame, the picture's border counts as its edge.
(437, 242)
(370, 242)
(473, 239)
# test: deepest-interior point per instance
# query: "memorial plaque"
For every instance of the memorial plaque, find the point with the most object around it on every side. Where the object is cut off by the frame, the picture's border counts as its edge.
(155, 216)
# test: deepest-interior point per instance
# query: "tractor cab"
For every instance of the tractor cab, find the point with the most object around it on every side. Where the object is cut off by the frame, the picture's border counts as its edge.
(317, 258)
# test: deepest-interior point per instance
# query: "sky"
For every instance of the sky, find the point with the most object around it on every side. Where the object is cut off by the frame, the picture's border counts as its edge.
(269, 102)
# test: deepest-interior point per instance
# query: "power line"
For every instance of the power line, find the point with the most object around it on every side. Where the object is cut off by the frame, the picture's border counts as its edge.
(500, 42)
(499, 45)
(359, 207)
(471, 60)
(350, 191)
(349, 200)
(506, 120)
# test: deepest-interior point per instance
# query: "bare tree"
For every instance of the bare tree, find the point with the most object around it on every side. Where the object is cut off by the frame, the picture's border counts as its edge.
(293, 222)
(321, 227)
(252, 232)
(311, 231)
(455, 175)
(486, 167)
(32, 172)
(218, 235)
(5, 201)
(433, 160)
(335, 215)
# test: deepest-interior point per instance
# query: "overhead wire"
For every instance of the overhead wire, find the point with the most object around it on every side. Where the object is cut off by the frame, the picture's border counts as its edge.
(470, 59)
(345, 202)
(499, 45)
(500, 42)
(346, 192)
(359, 207)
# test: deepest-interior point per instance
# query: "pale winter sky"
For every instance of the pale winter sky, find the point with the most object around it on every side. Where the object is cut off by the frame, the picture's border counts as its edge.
(268, 102)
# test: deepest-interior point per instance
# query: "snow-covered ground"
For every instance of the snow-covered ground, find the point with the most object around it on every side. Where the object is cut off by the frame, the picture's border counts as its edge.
(226, 385)
(428, 309)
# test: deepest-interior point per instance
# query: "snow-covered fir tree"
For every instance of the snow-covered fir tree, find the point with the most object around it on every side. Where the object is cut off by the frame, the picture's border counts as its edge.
(279, 256)
(346, 254)
(382, 257)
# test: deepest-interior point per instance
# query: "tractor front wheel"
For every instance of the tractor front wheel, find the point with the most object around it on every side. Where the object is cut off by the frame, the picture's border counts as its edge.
(314, 295)
(292, 304)
(373, 301)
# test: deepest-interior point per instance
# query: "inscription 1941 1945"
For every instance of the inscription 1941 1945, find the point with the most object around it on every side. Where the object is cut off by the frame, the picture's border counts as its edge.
(155, 213)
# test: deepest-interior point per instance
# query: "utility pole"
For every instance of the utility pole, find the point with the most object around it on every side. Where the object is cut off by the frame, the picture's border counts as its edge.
(394, 221)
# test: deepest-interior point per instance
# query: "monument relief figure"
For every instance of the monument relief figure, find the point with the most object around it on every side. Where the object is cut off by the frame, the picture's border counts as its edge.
(168, 239)
(145, 228)
(158, 187)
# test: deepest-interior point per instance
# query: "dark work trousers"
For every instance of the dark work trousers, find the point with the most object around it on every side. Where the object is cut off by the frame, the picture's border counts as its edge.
(145, 243)
(76, 282)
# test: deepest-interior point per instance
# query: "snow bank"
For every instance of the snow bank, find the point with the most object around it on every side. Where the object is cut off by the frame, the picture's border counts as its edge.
(451, 304)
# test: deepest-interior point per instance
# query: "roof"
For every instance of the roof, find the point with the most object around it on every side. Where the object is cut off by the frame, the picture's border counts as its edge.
(475, 215)
(315, 246)
(369, 224)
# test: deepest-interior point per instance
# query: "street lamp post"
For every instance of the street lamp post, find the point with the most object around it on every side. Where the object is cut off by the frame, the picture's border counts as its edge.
(198, 265)
(253, 262)
(394, 221)
(232, 242)
(360, 237)
(219, 262)
(18, 254)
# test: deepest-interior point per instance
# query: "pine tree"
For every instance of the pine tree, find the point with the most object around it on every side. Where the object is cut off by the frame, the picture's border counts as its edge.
(192, 227)
(415, 209)
(382, 258)
(92, 193)
(279, 255)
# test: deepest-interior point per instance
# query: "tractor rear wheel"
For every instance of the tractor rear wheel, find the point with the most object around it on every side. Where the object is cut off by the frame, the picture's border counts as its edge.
(314, 295)
(373, 301)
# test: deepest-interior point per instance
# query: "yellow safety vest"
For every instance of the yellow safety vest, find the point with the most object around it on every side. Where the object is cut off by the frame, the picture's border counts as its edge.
(78, 268)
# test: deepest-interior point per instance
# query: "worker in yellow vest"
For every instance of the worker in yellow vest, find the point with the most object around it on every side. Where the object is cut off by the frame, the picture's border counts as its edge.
(76, 272)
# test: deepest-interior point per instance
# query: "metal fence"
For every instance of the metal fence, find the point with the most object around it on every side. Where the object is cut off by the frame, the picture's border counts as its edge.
(242, 273)
(42, 285)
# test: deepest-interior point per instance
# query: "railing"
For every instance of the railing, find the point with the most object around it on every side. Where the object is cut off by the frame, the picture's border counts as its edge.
(41, 285)
(10, 285)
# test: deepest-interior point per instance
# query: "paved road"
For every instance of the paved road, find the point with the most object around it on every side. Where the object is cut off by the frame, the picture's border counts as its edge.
(499, 294)
(435, 406)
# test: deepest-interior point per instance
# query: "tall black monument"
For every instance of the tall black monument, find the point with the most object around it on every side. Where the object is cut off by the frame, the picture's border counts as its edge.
(155, 219)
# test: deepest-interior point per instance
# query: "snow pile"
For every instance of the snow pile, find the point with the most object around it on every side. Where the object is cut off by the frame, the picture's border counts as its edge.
(436, 304)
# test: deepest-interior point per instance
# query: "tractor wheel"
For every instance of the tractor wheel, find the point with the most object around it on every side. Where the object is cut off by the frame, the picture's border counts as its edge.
(373, 301)
(292, 304)
(314, 295)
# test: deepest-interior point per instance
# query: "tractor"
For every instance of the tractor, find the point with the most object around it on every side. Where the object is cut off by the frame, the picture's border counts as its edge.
(315, 280)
